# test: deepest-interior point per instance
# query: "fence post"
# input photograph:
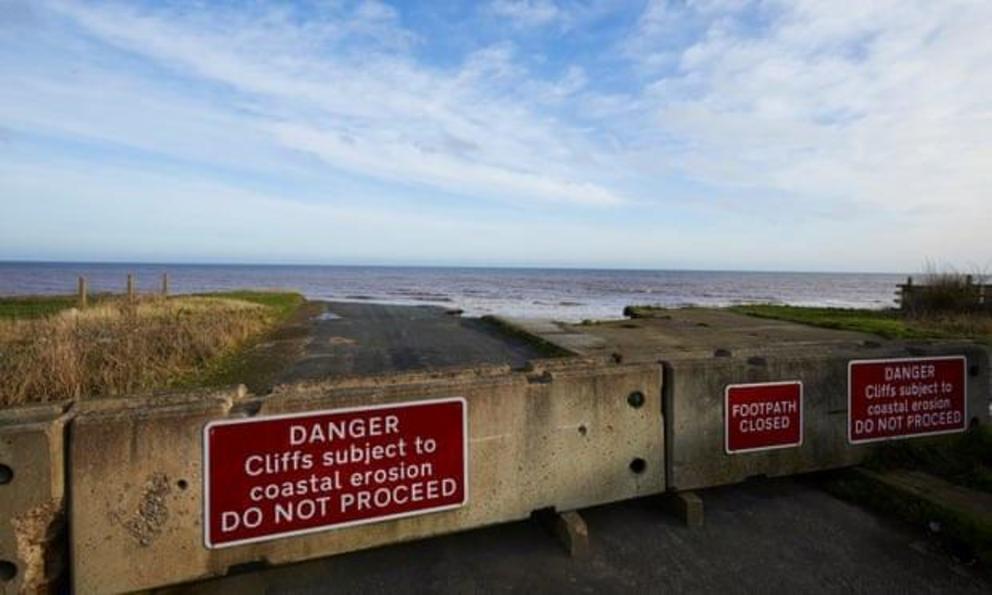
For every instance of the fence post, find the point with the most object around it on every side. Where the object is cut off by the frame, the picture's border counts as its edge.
(165, 284)
(905, 293)
(82, 292)
(130, 286)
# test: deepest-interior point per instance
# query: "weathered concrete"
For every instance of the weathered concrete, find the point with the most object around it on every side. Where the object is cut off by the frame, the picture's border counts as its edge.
(569, 529)
(560, 434)
(687, 506)
(31, 497)
(703, 351)
(327, 339)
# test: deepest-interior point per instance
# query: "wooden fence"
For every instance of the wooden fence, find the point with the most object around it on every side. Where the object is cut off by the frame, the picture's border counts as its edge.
(966, 296)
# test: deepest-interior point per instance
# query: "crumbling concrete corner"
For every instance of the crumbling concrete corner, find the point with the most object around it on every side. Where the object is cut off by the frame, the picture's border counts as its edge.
(32, 507)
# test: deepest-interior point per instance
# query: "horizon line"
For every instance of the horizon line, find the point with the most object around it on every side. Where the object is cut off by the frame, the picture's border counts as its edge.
(442, 266)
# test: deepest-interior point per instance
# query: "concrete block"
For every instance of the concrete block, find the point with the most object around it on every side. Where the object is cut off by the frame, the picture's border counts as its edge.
(134, 476)
(694, 409)
(687, 506)
(704, 351)
(31, 498)
(562, 436)
(569, 529)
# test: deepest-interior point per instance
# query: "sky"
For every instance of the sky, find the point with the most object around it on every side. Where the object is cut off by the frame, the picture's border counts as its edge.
(698, 134)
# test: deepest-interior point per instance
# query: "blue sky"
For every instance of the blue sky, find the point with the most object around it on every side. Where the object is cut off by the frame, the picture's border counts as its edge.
(716, 134)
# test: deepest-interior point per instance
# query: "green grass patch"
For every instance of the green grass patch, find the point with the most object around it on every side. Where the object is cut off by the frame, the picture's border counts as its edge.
(283, 303)
(239, 366)
(885, 323)
(35, 306)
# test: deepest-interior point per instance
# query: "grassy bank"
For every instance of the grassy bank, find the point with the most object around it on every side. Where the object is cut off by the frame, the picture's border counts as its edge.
(890, 324)
(964, 459)
(51, 351)
(21, 308)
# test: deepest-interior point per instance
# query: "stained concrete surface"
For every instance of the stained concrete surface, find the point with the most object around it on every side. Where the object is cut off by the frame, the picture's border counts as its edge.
(781, 535)
(689, 331)
(357, 338)
(326, 339)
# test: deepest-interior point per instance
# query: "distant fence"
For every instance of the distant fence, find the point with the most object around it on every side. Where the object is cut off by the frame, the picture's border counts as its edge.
(965, 295)
(82, 291)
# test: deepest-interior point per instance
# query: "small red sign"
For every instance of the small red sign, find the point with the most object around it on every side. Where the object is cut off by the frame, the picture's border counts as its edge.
(763, 416)
(901, 398)
(294, 474)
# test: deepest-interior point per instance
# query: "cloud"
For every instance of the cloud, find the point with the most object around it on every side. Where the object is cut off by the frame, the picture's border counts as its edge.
(526, 13)
(342, 87)
(883, 104)
(745, 133)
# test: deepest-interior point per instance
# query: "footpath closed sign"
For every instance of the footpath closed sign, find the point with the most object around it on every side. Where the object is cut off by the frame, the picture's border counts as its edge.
(901, 398)
(763, 416)
(294, 474)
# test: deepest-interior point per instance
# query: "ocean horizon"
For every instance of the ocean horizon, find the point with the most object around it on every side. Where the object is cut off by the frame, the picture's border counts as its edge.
(571, 294)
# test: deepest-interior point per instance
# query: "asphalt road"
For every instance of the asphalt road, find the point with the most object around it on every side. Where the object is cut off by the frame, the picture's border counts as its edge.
(358, 338)
(769, 536)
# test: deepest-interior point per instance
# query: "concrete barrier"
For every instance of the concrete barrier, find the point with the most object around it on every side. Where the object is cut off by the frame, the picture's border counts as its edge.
(694, 409)
(706, 351)
(563, 434)
(31, 498)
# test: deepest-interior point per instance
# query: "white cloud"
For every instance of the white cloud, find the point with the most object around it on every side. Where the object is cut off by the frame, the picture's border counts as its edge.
(526, 13)
(882, 104)
(479, 130)
(781, 131)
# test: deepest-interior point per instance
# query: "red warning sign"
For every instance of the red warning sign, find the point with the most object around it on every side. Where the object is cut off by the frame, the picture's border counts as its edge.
(294, 474)
(763, 416)
(901, 398)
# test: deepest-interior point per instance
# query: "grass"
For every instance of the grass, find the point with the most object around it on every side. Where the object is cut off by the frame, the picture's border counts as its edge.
(964, 459)
(945, 291)
(34, 306)
(282, 303)
(239, 366)
(885, 323)
(51, 351)
(890, 324)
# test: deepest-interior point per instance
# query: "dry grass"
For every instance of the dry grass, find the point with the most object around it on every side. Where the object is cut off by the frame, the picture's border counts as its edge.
(975, 325)
(945, 291)
(119, 347)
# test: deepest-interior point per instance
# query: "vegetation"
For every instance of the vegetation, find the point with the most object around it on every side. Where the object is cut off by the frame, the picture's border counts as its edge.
(944, 292)
(885, 323)
(34, 306)
(51, 351)
(282, 303)
(964, 459)
(891, 324)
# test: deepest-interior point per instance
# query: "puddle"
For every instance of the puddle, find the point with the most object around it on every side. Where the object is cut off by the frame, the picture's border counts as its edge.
(327, 316)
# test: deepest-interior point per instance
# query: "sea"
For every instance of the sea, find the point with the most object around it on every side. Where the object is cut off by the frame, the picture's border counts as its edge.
(560, 294)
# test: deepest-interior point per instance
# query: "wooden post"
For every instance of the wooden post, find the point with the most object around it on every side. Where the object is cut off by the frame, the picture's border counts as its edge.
(82, 292)
(165, 284)
(904, 294)
(130, 286)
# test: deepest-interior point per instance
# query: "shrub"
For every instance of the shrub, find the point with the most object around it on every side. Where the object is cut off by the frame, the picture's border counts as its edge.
(120, 346)
(942, 292)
